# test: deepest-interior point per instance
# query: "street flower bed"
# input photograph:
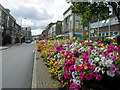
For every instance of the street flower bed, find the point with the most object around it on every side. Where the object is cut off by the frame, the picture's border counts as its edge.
(82, 64)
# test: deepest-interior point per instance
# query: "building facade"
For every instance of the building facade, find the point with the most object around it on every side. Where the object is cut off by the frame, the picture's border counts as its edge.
(105, 28)
(26, 33)
(58, 29)
(8, 27)
(71, 23)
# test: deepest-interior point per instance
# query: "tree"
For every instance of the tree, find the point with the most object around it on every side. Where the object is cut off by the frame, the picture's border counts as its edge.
(89, 11)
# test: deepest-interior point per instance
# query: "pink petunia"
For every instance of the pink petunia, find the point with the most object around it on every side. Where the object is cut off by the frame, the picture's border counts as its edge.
(92, 48)
(81, 75)
(84, 59)
(99, 77)
(86, 54)
(88, 76)
(113, 57)
(113, 68)
(98, 42)
(94, 73)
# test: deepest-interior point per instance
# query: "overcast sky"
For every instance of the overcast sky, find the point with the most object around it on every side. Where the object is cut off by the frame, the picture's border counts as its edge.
(38, 13)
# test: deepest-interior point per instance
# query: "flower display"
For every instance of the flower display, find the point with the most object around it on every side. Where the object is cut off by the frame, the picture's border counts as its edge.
(74, 63)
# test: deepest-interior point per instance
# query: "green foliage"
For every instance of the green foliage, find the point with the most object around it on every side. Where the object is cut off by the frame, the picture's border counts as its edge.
(90, 11)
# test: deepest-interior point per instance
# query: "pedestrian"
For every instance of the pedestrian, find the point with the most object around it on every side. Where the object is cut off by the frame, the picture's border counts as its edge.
(21, 41)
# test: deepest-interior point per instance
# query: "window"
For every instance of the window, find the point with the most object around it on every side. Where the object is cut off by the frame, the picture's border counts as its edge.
(111, 33)
(103, 34)
(115, 33)
(107, 34)
(77, 24)
(100, 34)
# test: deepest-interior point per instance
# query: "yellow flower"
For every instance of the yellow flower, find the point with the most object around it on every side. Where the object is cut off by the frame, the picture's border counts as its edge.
(59, 71)
(80, 65)
(95, 35)
(102, 45)
(85, 67)
(74, 38)
(58, 67)
(63, 85)
(85, 29)
(95, 29)
(90, 31)
(55, 62)
(111, 38)
(87, 33)
(78, 39)
(68, 56)
(61, 54)
(55, 84)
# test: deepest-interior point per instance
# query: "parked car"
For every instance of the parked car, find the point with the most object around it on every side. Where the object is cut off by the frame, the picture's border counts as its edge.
(113, 37)
(28, 41)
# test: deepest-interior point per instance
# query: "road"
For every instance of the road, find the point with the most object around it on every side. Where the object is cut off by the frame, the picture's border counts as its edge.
(17, 66)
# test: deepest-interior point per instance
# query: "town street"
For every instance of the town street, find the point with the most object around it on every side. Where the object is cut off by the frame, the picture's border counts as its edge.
(17, 66)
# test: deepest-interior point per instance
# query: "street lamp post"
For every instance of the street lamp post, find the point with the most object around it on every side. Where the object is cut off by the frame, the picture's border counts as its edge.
(21, 21)
(21, 29)
(73, 31)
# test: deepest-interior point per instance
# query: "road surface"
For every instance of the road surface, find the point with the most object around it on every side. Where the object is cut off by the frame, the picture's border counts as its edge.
(17, 66)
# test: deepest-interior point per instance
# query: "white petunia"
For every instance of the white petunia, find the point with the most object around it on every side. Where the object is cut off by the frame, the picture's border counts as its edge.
(72, 50)
(96, 53)
(77, 78)
(80, 60)
(74, 81)
(73, 74)
(71, 46)
(79, 50)
(77, 82)
(90, 60)
(76, 61)
(97, 59)
(109, 63)
(111, 54)
(86, 40)
(93, 51)
(93, 63)
(76, 73)
(76, 43)
(103, 72)
(102, 48)
(105, 50)
(100, 55)
(103, 58)
(54, 56)
(74, 66)
(97, 69)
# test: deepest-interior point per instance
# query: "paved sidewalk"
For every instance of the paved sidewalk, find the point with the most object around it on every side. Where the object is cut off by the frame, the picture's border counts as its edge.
(41, 76)
(8, 46)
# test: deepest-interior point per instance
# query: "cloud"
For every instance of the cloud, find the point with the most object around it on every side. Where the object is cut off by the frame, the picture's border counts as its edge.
(38, 13)
(36, 32)
(31, 12)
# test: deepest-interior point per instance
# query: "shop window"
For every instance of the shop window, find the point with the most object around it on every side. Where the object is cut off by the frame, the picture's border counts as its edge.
(111, 33)
(115, 33)
(100, 34)
(107, 34)
(103, 34)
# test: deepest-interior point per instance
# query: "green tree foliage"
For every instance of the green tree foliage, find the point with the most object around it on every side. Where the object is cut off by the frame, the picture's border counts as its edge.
(89, 11)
